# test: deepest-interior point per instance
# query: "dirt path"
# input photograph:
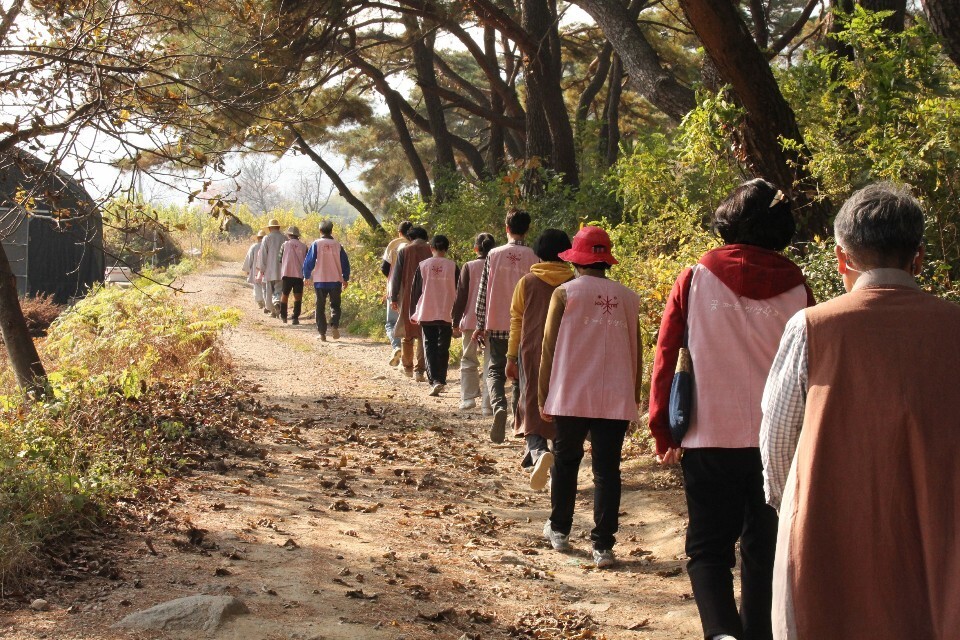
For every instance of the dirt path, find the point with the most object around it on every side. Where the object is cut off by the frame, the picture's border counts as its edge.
(378, 512)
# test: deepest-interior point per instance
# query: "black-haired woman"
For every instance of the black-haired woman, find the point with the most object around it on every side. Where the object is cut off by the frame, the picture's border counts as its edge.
(730, 309)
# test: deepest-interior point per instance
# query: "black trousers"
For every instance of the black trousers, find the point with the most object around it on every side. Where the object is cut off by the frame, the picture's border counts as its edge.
(436, 348)
(607, 442)
(334, 296)
(292, 284)
(725, 502)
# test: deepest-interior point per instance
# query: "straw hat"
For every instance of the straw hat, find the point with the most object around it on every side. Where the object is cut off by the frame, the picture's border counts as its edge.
(590, 245)
(293, 231)
(261, 233)
(273, 224)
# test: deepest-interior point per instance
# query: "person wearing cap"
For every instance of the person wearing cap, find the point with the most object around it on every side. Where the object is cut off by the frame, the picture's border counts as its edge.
(292, 255)
(268, 262)
(431, 302)
(730, 310)
(528, 313)
(504, 267)
(250, 268)
(860, 438)
(328, 266)
(386, 268)
(589, 383)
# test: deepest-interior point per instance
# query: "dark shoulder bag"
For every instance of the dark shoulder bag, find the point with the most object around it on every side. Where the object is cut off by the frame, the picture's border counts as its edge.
(681, 394)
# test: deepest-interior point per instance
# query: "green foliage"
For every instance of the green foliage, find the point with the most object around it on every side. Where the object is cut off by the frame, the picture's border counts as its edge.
(132, 374)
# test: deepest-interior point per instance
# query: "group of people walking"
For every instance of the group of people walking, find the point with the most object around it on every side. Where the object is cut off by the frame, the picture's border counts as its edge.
(822, 437)
(278, 264)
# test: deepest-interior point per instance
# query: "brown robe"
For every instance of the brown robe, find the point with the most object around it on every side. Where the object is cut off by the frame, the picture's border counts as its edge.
(536, 297)
(871, 513)
(408, 263)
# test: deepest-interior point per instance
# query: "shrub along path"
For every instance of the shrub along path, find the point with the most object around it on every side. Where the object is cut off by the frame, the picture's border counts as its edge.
(378, 512)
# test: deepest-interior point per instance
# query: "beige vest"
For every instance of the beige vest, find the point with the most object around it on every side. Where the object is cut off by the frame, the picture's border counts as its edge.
(873, 516)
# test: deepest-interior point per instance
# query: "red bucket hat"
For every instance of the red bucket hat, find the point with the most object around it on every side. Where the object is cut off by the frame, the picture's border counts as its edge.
(590, 245)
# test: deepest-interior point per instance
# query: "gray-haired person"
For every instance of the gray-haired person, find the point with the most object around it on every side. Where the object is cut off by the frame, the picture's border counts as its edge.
(860, 434)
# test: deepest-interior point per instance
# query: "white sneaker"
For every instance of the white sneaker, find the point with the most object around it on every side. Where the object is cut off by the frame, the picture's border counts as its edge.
(437, 389)
(420, 376)
(406, 372)
(724, 636)
(604, 559)
(395, 358)
(469, 403)
(541, 471)
(559, 541)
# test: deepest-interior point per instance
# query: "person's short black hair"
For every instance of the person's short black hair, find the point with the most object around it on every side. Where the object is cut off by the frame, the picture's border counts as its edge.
(550, 243)
(596, 265)
(880, 226)
(756, 213)
(417, 233)
(440, 242)
(517, 221)
(326, 227)
(404, 227)
(484, 243)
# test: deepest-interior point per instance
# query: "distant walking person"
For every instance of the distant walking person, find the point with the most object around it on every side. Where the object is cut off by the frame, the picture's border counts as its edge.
(473, 377)
(730, 309)
(590, 383)
(401, 285)
(268, 261)
(861, 429)
(503, 268)
(432, 297)
(528, 313)
(386, 267)
(253, 273)
(328, 267)
(292, 255)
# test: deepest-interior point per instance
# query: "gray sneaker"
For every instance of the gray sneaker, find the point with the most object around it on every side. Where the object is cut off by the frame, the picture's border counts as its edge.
(420, 376)
(437, 389)
(603, 558)
(499, 429)
(559, 541)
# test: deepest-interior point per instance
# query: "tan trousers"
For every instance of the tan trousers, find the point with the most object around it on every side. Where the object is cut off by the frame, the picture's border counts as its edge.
(407, 355)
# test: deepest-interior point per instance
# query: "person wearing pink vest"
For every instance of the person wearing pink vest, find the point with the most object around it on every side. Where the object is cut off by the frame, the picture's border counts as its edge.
(502, 270)
(731, 309)
(292, 254)
(431, 300)
(473, 377)
(590, 376)
(329, 268)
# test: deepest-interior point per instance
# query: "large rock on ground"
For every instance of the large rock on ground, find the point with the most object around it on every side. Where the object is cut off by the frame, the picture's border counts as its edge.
(194, 613)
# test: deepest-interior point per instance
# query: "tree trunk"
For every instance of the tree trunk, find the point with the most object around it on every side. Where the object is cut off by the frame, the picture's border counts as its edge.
(899, 7)
(835, 25)
(640, 60)
(338, 182)
(21, 352)
(768, 118)
(542, 74)
(593, 87)
(944, 17)
(495, 155)
(614, 91)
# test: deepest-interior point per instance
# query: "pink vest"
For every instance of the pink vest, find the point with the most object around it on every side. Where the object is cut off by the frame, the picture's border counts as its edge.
(328, 267)
(291, 262)
(508, 263)
(439, 277)
(732, 341)
(594, 372)
(473, 270)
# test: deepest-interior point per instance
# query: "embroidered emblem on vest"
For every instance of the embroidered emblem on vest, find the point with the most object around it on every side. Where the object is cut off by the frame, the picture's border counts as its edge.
(436, 270)
(607, 303)
(513, 257)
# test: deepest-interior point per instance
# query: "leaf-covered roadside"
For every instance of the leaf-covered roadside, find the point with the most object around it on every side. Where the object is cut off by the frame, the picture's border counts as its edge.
(141, 390)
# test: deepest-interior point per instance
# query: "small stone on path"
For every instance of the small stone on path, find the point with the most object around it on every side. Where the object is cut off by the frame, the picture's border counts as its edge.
(193, 613)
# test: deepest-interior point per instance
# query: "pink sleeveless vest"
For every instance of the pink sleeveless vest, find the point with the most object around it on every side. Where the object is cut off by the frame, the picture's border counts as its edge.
(473, 271)
(328, 268)
(291, 264)
(508, 263)
(439, 291)
(732, 341)
(594, 370)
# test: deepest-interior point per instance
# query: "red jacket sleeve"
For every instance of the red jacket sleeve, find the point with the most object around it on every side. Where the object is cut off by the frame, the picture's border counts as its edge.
(669, 341)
